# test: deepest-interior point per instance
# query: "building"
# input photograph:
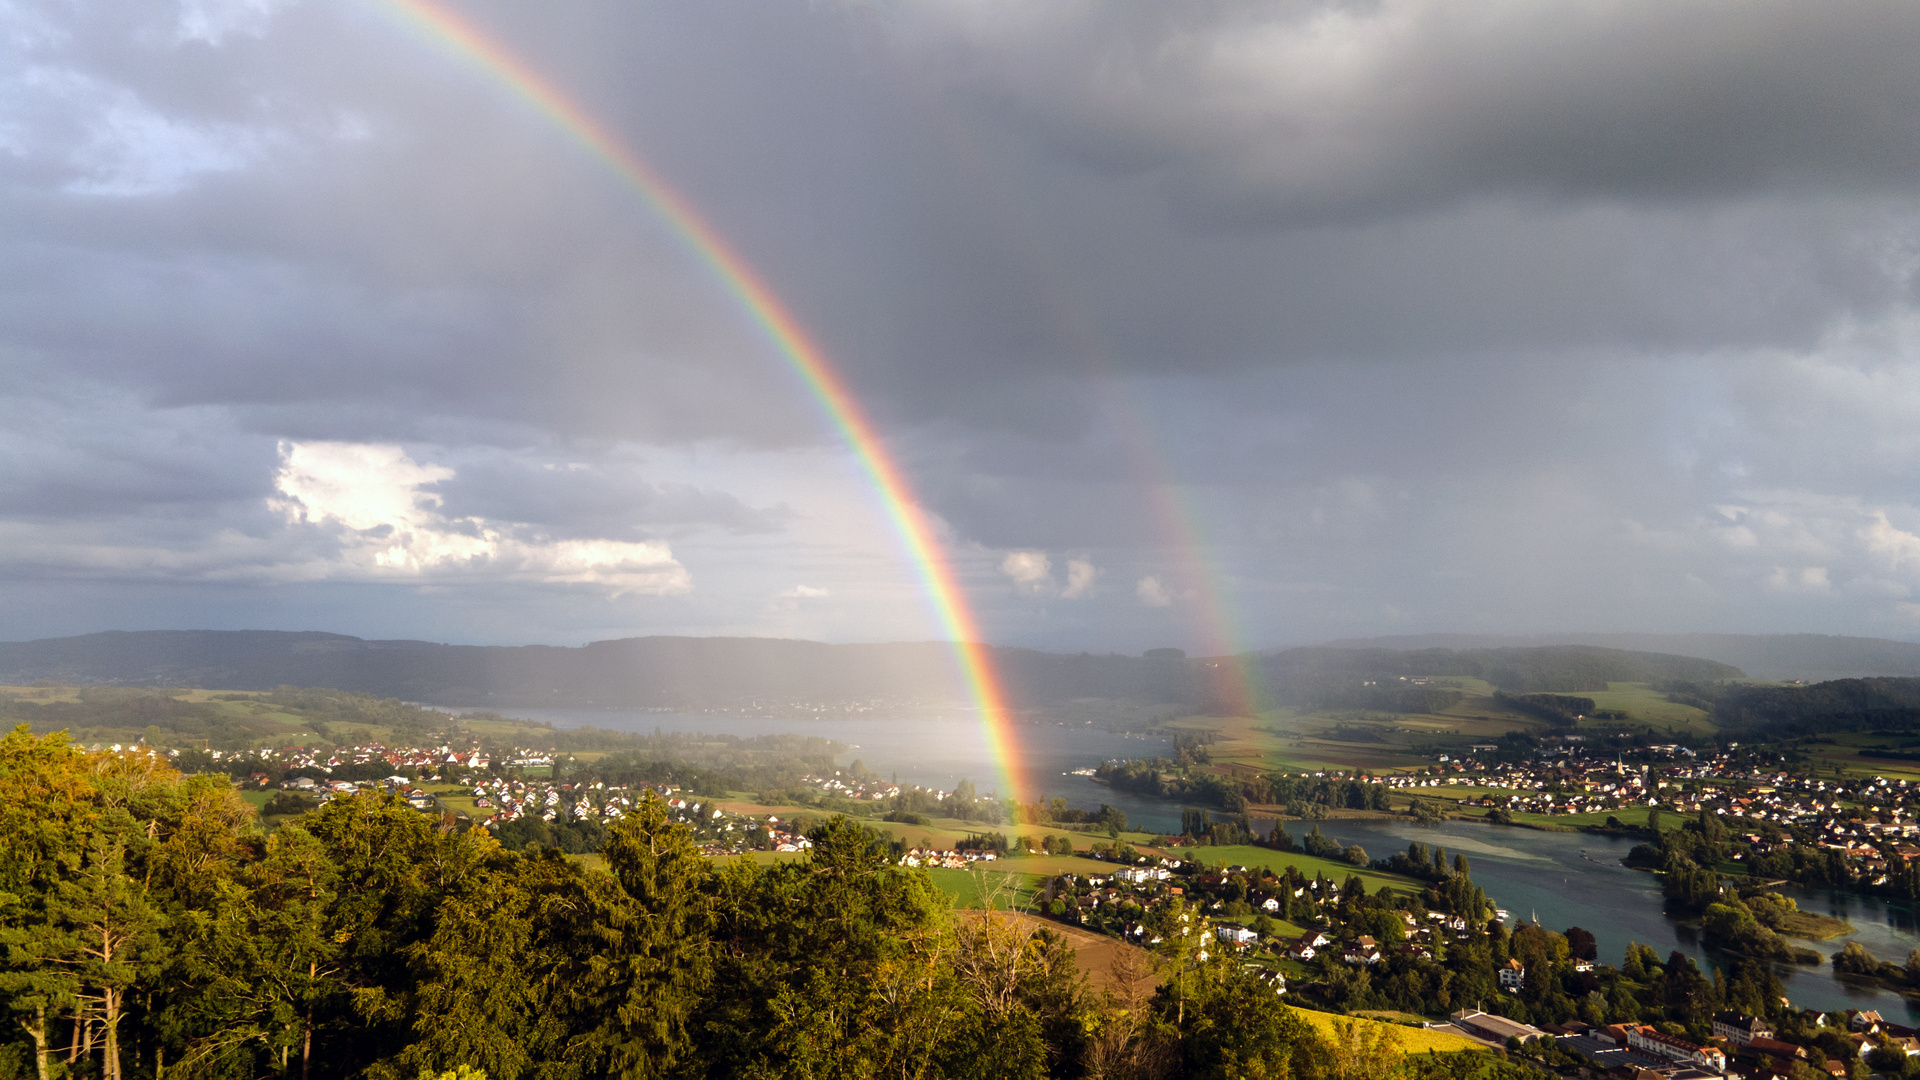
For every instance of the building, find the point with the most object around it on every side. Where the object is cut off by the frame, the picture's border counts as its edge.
(1649, 1041)
(1739, 1029)
(1774, 1048)
(1493, 1029)
(1512, 976)
(1238, 935)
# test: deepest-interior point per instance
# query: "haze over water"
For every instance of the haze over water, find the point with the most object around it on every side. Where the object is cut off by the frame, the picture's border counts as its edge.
(931, 752)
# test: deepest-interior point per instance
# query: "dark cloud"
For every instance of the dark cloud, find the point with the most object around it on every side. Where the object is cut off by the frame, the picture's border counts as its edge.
(577, 500)
(1356, 317)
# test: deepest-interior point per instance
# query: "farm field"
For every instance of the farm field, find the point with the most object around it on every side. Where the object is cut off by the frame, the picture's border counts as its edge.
(971, 888)
(1093, 954)
(1649, 707)
(1308, 865)
(1413, 1040)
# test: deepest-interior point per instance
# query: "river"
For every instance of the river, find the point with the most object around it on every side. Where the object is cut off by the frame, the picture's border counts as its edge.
(1575, 879)
(1567, 879)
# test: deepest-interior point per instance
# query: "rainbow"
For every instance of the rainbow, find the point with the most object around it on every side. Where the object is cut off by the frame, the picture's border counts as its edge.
(788, 338)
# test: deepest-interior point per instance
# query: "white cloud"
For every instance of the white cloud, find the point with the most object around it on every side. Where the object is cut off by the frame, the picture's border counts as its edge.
(1152, 593)
(1032, 574)
(1897, 546)
(805, 592)
(1031, 571)
(390, 527)
(213, 21)
(1080, 578)
(1806, 579)
(132, 149)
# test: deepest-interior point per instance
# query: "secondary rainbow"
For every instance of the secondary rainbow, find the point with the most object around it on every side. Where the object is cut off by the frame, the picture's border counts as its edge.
(1236, 683)
(787, 336)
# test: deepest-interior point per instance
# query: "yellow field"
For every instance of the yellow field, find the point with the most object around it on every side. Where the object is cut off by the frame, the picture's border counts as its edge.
(1412, 1039)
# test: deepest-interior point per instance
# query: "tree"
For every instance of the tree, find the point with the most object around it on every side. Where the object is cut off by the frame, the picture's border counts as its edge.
(1236, 1027)
(1358, 1049)
(265, 959)
(832, 965)
(112, 931)
(653, 955)
(46, 808)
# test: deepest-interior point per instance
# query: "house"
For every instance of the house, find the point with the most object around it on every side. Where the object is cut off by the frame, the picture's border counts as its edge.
(1302, 949)
(1771, 1047)
(1512, 976)
(1237, 935)
(1739, 1029)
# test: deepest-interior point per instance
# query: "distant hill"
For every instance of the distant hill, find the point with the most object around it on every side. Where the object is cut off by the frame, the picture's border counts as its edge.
(648, 672)
(1767, 657)
(1889, 705)
(1336, 676)
(692, 673)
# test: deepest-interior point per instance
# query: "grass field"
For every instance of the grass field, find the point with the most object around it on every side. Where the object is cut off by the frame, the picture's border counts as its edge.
(971, 888)
(1247, 855)
(1413, 1040)
(1648, 706)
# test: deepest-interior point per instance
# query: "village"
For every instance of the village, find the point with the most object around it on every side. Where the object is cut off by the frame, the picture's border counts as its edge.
(1873, 823)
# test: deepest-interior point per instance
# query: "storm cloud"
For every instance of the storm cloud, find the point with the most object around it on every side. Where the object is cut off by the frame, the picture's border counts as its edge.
(1211, 325)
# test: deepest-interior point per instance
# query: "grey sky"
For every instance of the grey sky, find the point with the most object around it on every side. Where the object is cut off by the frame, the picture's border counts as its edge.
(1361, 318)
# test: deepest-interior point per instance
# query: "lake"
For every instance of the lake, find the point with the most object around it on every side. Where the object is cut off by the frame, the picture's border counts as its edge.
(1567, 879)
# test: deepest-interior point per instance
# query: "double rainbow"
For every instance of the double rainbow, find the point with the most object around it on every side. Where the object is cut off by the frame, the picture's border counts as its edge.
(788, 338)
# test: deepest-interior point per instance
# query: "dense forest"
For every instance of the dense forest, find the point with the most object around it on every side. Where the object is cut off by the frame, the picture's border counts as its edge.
(1841, 705)
(150, 927)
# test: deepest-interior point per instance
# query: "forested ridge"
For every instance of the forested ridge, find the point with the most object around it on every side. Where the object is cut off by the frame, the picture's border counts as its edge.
(692, 673)
(151, 928)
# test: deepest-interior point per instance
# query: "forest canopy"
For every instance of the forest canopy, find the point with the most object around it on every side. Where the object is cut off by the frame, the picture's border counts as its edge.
(151, 927)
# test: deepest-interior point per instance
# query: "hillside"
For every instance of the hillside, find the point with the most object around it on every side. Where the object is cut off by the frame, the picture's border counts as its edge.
(650, 672)
(1331, 676)
(1767, 657)
(694, 673)
(681, 672)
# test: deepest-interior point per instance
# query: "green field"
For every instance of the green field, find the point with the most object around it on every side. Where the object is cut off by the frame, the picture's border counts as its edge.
(969, 888)
(1247, 855)
(1648, 707)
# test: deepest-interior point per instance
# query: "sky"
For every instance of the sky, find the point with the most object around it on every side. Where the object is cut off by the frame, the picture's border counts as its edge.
(1214, 325)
